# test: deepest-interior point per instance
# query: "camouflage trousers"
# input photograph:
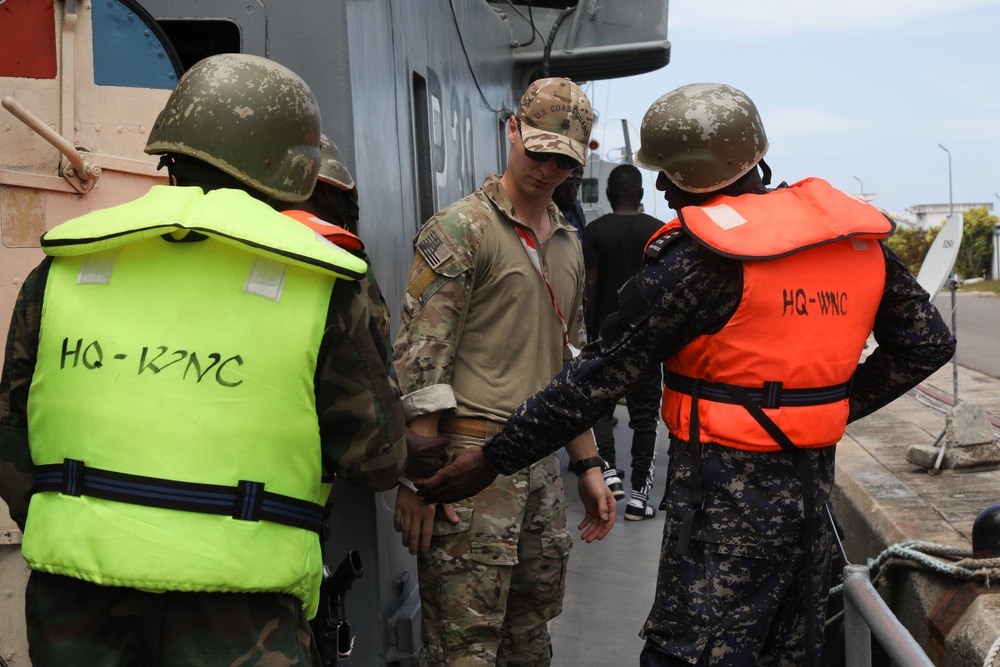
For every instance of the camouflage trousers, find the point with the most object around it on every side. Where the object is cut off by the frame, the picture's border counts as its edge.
(490, 584)
(73, 622)
(751, 579)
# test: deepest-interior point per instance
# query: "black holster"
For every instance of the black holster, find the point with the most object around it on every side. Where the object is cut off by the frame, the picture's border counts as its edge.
(330, 627)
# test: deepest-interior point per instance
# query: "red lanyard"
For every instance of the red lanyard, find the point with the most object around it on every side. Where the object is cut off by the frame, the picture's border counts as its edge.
(532, 250)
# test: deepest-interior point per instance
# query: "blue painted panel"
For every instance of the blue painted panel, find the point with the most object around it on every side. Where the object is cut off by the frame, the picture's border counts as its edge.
(127, 51)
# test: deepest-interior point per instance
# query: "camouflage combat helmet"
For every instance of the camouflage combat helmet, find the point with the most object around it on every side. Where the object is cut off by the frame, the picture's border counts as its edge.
(248, 116)
(703, 136)
(332, 169)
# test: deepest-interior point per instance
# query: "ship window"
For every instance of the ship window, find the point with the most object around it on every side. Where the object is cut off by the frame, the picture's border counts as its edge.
(422, 133)
(196, 39)
(589, 192)
(130, 49)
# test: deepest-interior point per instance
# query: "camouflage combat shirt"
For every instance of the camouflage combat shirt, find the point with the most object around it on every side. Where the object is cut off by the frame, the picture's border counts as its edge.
(357, 401)
(479, 332)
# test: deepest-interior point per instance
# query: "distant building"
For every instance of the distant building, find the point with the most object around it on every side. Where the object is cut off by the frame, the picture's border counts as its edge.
(931, 215)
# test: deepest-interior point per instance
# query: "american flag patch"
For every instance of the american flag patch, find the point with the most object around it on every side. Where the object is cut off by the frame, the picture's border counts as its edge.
(433, 249)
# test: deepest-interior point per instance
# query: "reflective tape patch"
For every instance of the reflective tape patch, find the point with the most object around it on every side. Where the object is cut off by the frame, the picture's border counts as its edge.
(97, 268)
(266, 278)
(724, 216)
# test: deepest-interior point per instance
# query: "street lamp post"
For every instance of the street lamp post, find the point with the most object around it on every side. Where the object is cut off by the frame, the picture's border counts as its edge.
(953, 284)
(862, 185)
(951, 204)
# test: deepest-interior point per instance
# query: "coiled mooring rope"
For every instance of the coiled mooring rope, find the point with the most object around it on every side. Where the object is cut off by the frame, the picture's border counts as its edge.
(927, 556)
(991, 655)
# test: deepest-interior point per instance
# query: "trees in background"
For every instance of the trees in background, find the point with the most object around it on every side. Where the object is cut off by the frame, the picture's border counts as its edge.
(974, 254)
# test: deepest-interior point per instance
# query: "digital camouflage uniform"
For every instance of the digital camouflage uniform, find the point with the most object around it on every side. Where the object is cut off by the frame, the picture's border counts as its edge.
(708, 608)
(479, 334)
(361, 429)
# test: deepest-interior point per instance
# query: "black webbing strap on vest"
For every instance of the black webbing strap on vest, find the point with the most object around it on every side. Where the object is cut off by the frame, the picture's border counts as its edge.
(808, 506)
(248, 501)
(697, 494)
(771, 395)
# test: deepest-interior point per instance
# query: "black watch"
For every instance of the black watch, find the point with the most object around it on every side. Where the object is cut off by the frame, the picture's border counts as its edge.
(583, 465)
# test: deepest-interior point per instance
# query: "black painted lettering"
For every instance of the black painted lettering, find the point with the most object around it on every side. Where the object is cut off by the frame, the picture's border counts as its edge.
(832, 303)
(787, 302)
(193, 361)
(800, 302)
(181, 356)
(93, 356)
(826, 302)
(218, 374)
(143, 366)
(75, 353)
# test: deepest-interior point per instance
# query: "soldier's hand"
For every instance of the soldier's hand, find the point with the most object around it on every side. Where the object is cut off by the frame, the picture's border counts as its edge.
(424, 454)
(466, 475)
(414, 519)
(598, 504)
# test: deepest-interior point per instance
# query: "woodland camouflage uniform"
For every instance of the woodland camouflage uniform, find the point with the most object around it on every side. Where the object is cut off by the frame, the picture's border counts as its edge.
(358, 416)
(195, 624)
(501, 569)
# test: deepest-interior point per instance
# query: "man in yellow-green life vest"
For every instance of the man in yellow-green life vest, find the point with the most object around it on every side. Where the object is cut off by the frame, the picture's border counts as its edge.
(184, 375)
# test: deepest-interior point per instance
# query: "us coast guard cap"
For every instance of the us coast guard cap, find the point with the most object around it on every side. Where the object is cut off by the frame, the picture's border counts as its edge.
(556, 117)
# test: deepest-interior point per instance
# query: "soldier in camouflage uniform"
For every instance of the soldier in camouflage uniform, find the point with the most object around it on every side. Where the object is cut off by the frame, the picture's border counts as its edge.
(493, 309)
(347, 407)
(745, 561)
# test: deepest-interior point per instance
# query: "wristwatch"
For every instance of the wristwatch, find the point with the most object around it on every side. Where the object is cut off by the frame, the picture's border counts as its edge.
(583, 465)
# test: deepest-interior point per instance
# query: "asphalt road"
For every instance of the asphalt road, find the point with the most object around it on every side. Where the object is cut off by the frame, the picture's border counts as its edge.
(977, 328)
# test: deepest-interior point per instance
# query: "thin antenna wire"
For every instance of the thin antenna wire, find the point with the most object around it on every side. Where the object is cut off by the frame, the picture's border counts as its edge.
(468, 61)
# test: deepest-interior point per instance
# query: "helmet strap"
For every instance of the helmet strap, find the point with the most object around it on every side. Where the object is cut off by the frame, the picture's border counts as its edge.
(766, 171)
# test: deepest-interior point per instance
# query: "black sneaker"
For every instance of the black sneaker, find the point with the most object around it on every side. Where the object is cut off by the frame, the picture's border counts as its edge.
(615, 484)
(639, 512)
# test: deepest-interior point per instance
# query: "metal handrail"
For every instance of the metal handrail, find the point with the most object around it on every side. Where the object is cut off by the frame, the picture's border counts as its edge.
(866, 613)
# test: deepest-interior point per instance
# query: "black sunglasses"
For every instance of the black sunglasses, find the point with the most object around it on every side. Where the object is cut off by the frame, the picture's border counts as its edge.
(562, 161)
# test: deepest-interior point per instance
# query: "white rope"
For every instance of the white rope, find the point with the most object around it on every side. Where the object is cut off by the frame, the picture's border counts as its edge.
(991, 655)
(926, 556)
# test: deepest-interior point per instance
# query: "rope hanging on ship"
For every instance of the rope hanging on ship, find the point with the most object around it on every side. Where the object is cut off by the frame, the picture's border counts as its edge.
(927, 557)
(920, 555)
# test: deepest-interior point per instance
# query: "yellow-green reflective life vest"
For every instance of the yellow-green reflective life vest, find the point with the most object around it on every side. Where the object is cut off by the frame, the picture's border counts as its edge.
(170, 372)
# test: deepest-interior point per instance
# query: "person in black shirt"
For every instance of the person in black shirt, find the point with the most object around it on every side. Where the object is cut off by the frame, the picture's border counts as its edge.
(612, 251)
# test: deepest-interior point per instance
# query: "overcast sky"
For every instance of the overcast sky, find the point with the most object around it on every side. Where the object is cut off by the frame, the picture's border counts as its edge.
(859, 92)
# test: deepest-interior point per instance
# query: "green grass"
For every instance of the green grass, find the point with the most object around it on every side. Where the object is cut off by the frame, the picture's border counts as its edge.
(992, 286)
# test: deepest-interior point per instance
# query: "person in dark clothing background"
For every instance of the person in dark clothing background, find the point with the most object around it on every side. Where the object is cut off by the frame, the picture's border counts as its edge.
(760, 383)
(613, 247)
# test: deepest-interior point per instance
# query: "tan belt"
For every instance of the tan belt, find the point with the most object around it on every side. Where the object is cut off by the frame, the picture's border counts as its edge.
(472, 427)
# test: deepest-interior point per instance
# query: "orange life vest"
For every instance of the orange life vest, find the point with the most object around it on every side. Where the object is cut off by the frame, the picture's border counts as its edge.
(813, 275)
(331, 232)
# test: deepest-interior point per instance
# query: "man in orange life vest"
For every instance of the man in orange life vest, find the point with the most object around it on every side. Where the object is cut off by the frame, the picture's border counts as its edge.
(758, 303)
